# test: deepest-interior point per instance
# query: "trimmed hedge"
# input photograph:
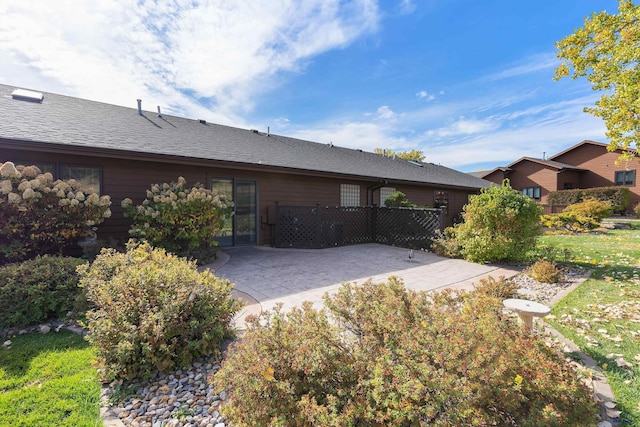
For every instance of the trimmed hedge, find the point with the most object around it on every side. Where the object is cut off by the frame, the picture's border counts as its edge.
(39, 289)
(618, 197)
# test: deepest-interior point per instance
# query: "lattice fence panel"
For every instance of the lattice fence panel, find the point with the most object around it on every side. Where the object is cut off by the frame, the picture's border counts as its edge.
(321, 227)
(406, 227)
(342, 226)
(296, 227)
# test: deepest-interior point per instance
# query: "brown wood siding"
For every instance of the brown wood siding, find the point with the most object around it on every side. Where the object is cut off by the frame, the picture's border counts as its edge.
(600, 166)
(496, 176)
(125, 177)
(531, 174)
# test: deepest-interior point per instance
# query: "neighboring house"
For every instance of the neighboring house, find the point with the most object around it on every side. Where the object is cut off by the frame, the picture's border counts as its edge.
(122, 151)
(585, 165)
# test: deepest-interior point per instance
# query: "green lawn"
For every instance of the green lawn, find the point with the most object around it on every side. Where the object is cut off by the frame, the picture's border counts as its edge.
(48, 380)
(602, 316)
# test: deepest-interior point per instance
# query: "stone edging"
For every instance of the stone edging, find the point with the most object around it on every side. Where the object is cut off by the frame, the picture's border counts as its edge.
(602, 392)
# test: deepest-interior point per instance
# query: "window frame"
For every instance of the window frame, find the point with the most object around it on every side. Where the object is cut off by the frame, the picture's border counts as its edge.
(625, 181)
(532, 192)
(348, 195)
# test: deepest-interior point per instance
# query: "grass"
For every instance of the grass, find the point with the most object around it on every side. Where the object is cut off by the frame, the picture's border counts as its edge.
(48, 380)
(602, 316)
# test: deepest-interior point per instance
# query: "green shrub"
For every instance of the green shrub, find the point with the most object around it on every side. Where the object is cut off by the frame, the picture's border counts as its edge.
(39, 289)
(591, 208)
(154, 310)
(544, 271)
(41, 216)
(579, 217)
(398, 200)
(500, 224)
(618, 197)
(181, 220)
(390, 356)
(446, 244)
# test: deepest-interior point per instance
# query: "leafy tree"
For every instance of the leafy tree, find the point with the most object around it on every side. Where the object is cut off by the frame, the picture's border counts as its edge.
(606, 50)
(416, 155)
(398, 200)
(500, 224)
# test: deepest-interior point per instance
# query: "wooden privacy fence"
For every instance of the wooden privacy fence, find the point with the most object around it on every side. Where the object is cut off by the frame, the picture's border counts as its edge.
(314, 227)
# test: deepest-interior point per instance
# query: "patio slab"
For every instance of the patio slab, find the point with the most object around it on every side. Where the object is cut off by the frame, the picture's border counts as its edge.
(268, 275)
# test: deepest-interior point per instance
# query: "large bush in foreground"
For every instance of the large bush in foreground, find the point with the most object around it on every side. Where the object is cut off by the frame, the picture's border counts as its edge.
(35, 290)
(500, 224)
(183, 220)
(393, 357)
(41, 216)
(154, 310)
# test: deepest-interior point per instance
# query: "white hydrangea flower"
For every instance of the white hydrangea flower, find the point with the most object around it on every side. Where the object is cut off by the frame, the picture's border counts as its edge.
(8, 170)
(14, 198)
(5, 186)
(28, 194)
(126, 202)
(24, 184)
(74, 202)
(181, 180)
(80, 196)
(107, 213)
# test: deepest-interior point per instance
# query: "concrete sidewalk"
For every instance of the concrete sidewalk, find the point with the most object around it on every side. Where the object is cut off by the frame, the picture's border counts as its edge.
(264, 276)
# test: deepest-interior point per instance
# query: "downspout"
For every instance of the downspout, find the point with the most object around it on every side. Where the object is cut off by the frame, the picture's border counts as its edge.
(373, 188)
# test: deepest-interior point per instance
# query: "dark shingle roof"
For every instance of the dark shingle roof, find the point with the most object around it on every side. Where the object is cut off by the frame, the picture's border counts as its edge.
(68, 121)
(551, 163)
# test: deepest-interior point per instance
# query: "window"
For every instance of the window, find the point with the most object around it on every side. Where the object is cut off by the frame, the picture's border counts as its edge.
(87, 176)
(533, 192)
(625, 177)
(349, 195)
(385, 192)
(44, 167)
(440, 199)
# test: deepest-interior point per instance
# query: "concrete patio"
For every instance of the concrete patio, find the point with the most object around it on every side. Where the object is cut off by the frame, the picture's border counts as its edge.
(264, 276)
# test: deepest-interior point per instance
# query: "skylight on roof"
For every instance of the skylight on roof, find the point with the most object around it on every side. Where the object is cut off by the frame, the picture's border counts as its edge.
(27, 95)
(413, 162)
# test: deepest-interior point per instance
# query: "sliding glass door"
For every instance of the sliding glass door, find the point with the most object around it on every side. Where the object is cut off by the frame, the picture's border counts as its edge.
(242, 227)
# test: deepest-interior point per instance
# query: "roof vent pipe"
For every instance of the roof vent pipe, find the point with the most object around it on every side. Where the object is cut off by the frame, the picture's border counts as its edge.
(140, 106)
(159, 113)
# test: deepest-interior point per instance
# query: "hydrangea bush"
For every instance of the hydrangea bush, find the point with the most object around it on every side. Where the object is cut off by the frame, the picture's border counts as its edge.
(182, 220)
(41, 216)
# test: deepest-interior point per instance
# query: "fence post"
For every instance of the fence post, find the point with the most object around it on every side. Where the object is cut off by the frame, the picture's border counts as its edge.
(318, 238)
(276, 227)
(441, 218)
(374, 223)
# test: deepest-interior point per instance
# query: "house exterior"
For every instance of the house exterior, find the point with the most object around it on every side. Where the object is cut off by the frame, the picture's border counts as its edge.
(587, 164)
(123, 151)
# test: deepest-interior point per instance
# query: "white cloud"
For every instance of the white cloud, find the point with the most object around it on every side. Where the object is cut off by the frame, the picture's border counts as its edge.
(425, 95)
(530, 64)
(464, 126)
(407, 7)
(207, 59)
(386, 113)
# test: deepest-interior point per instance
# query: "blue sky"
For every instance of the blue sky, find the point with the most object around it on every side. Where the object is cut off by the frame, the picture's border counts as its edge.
(468, 82)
